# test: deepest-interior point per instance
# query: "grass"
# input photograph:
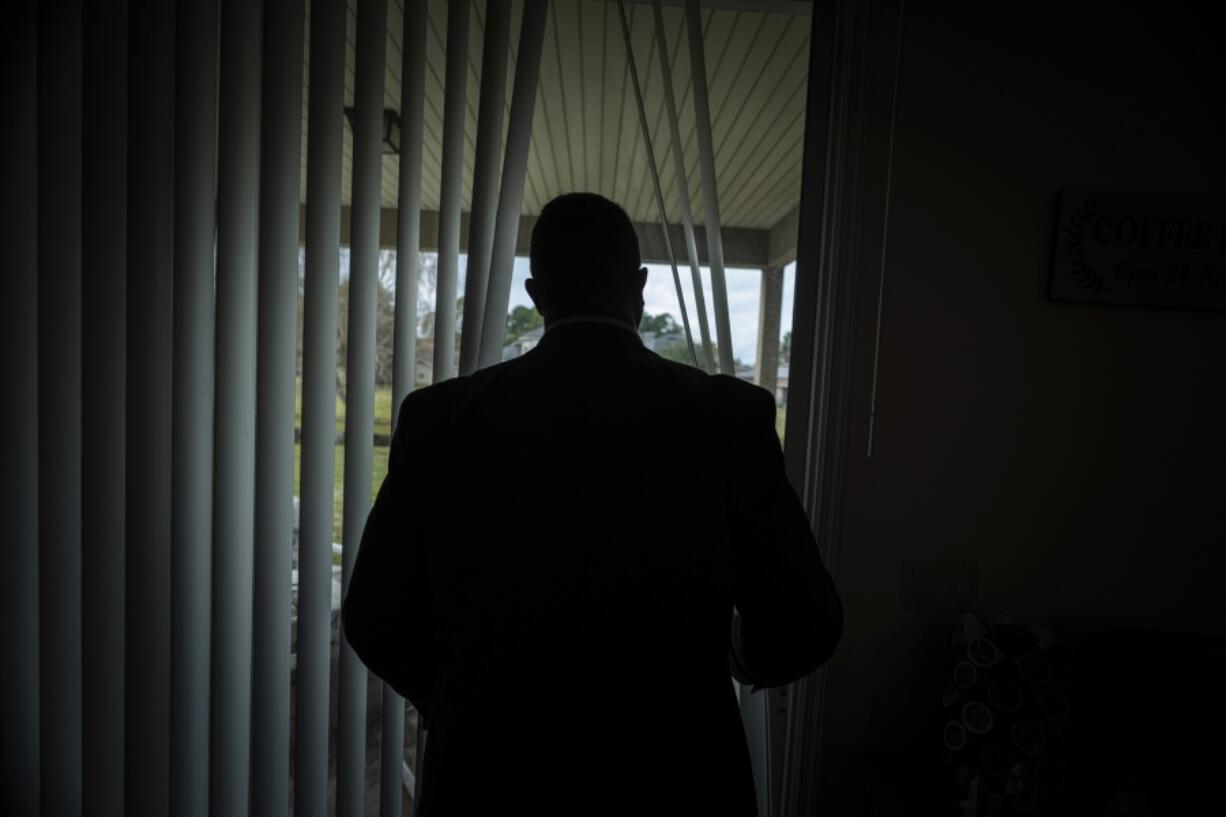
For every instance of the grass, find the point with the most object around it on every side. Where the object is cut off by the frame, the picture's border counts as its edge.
(383, 410)
(383, 428)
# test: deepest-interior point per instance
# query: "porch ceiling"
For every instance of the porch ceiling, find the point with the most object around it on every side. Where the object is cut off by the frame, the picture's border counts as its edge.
(585, 132)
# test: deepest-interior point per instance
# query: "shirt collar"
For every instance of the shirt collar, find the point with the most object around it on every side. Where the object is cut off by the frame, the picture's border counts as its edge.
(594, 318)
(587, 325)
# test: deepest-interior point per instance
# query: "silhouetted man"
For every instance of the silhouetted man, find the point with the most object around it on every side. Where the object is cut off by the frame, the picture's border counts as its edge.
(550, 568)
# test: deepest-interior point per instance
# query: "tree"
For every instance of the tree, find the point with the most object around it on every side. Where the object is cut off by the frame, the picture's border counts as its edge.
(671, 342)
(301, 306)
(662, 324)
(678, 350)
(385, 320)
(785, 347)
(522, 320)
(427, 284)
(385, 311)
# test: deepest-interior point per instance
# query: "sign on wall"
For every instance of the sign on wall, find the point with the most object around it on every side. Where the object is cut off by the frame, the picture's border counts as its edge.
(1116, 248)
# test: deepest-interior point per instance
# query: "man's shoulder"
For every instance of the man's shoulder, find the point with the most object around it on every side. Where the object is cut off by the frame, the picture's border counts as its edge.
(730, 396)
(434, 398)
(740, 389)
(737, 395)
(444, 395)
(744, 396)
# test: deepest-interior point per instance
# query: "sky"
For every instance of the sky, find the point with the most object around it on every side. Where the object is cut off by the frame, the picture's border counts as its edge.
(660, 295)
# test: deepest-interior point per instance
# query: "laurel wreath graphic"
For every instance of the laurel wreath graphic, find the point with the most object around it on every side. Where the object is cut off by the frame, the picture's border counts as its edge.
(1074, 248)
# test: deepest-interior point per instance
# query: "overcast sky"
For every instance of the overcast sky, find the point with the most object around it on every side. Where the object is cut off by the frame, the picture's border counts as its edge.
(661, 296)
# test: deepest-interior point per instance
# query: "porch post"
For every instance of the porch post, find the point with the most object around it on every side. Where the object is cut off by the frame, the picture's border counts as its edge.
(770, 308)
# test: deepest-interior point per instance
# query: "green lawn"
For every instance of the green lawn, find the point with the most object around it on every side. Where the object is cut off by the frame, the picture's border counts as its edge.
(383, 410)
(383, 426)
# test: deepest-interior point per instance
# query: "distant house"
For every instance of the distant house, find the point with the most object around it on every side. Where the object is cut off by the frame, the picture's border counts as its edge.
(652, 341)
(656, 341)
(522, 344)
(781, 381)
(423, 373)
(423, 360)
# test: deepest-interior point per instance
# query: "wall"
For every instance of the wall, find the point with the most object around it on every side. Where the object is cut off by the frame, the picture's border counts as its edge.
(1074, 453)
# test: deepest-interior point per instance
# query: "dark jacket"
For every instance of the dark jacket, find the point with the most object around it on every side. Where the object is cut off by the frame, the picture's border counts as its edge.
(550, 569)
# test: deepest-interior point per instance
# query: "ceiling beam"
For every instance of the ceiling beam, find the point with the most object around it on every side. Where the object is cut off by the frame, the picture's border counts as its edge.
(782, 243)
(743, 246)
(792, 7)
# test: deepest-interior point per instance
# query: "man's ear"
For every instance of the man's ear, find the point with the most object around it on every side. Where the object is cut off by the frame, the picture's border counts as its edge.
(532, 287)
(642, 278)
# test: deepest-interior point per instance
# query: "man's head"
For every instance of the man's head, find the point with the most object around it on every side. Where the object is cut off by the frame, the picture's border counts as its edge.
(585, 260)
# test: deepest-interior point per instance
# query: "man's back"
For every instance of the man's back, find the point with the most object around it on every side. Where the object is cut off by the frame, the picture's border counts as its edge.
(550, 571)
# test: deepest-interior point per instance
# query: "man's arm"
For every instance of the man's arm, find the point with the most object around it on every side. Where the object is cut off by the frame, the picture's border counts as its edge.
(386, 613)
(790, 617)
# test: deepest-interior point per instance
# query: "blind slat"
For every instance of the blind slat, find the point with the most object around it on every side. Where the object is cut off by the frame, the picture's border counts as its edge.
(280, 168)
(317, 477)
(360, 378)
(104, 286)
(485, 179)
(404, 334)
(149, 338)
(450, 188)
(683, 188)
(511, 190)
(196, 33)
(19, 584)
(238, 160)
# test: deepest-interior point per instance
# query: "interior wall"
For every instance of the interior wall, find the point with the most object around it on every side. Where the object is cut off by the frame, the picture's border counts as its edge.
(1074, 454)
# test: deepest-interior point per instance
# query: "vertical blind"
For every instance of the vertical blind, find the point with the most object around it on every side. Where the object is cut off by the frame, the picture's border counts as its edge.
(280, 169)
(20, 697)
(103, 443)
(157, 179)
(158, 288)
(196, 33)
(321, 262)
(150, 237)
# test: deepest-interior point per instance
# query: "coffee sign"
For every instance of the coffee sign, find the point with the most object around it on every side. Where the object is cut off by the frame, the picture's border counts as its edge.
(1115, 248)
